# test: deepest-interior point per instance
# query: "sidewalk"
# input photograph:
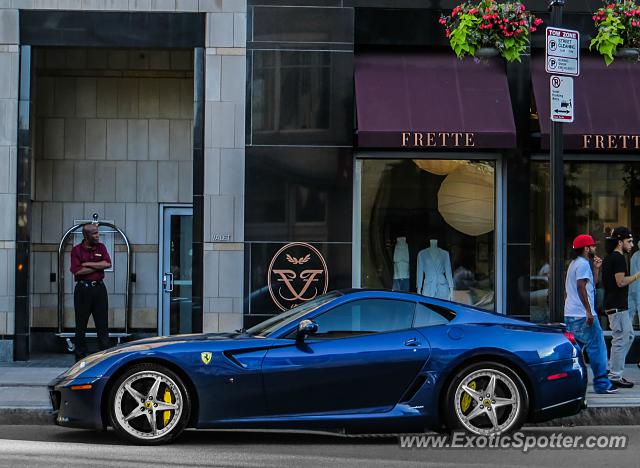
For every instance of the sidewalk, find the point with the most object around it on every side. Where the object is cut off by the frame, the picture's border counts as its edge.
(24, 398)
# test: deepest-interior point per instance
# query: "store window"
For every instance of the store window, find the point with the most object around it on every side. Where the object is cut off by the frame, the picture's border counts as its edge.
(428, 226)
(598, 197)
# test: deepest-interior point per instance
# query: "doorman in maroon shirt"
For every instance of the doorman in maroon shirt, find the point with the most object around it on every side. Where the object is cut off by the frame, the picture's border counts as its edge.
(89, 259)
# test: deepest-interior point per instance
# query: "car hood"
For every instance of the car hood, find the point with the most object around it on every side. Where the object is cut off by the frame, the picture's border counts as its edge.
(97, 364)
(187, 338)
(212, 340)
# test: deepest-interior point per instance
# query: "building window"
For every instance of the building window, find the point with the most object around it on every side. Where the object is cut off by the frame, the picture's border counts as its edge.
(428, 226)
(598, 197)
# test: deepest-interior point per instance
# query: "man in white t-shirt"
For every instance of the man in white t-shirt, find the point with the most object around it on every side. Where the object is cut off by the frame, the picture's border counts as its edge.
(579, 309)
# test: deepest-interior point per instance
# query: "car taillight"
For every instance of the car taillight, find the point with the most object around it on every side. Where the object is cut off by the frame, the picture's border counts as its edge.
(562, 375)
(570, 336)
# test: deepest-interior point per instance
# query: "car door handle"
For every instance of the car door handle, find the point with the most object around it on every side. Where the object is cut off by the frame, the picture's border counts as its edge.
(412, 342)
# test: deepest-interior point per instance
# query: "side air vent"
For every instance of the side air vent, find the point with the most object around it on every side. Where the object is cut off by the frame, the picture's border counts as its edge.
(413, 388)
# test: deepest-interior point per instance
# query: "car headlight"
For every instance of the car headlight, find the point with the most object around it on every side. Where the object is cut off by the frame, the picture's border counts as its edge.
(84, 364)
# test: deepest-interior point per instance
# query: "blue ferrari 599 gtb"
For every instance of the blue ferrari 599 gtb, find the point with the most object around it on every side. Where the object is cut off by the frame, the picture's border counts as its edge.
(354, 361)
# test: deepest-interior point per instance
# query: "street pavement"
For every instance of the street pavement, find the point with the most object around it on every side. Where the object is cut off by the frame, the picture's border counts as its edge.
(37, 446)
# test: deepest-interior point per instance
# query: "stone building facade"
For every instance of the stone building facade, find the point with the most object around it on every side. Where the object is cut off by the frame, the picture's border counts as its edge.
(142, 109)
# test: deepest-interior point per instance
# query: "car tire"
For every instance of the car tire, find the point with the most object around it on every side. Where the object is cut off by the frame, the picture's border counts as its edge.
(149, 404)
(472, 406)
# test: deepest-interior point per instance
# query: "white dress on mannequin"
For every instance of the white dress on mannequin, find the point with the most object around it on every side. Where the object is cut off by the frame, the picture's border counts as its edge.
(434, 278)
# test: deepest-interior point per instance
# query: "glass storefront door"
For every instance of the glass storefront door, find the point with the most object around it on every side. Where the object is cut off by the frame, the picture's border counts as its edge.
(429, 226)
(598, 197)
(176, 260)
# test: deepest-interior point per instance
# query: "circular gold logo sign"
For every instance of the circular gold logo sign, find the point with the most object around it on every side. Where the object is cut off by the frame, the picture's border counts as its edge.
(297, 274)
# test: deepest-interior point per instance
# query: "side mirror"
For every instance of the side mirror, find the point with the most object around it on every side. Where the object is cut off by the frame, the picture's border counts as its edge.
(306, 327)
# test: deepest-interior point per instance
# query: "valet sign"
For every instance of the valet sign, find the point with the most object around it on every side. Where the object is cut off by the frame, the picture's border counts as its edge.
(562, 53)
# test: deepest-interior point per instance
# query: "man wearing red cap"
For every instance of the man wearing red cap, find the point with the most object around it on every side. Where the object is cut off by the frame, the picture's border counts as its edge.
(579, 309)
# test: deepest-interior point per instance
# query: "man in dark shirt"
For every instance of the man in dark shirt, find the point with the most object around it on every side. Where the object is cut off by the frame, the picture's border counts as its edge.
(89, 259)
(616, 281)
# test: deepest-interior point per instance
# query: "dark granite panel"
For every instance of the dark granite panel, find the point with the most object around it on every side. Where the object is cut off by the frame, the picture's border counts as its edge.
(329, 3)
(517, 281)
(112, 29)
(336, 270)
(197, 276)
(301, 194)
(24, 170)
(300, 24)
(301, 98)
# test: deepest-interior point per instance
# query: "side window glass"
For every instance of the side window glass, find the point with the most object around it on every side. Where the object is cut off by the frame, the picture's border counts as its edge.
(365, 317)
(429, 315)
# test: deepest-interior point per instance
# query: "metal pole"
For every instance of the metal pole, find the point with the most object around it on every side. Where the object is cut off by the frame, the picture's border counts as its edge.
(556, 189)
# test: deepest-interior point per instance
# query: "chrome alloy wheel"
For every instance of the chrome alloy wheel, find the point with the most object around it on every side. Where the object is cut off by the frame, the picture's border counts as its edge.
(494, 402)
(148, 405)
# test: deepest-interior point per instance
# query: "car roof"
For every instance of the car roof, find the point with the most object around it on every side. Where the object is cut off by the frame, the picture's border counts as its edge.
(385, 292)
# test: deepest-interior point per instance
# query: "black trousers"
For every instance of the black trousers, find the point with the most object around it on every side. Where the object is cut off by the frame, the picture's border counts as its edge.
(87, 301)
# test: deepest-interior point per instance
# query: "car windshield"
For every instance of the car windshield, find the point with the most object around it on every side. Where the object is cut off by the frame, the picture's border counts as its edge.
(265, 328)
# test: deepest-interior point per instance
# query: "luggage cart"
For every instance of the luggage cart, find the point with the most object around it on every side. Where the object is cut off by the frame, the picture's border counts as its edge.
(60, 277)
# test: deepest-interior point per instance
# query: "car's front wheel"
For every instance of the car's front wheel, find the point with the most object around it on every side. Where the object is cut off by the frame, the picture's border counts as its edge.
(149, 404)
(486, 398)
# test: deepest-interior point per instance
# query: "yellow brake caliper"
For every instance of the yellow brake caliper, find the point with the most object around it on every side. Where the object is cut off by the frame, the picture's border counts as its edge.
(466, 398)
(166, 415)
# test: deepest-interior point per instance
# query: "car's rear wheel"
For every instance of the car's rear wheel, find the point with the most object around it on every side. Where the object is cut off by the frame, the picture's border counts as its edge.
(486, 398)
(149, 404)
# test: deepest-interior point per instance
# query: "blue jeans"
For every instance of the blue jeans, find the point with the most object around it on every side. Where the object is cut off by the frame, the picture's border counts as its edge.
(592, 340)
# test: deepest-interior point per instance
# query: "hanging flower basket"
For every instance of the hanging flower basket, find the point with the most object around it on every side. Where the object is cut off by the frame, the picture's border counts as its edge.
(487, 52)
(618, 26)
(474, 27)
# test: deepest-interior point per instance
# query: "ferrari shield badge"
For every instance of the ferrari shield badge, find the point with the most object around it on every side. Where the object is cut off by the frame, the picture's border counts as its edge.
(206, 357)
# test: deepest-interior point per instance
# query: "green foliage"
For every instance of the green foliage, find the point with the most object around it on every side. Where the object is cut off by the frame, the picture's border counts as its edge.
(618, 25)
(462, 39)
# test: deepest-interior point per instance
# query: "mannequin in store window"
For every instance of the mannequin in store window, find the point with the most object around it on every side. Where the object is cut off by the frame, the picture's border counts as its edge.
(434, 278)
(401, 265)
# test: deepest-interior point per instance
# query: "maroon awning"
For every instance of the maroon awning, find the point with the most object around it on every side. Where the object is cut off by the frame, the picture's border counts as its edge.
(606, 103)
(432, 100)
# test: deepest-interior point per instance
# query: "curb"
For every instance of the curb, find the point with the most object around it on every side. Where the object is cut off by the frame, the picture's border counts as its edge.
(599, 416)
(32, 416)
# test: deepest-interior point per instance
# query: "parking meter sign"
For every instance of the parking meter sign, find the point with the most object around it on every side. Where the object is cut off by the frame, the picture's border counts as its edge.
(562, 52)
(561, 90)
